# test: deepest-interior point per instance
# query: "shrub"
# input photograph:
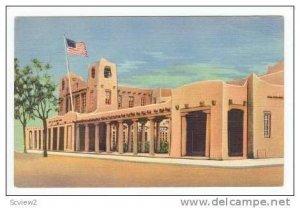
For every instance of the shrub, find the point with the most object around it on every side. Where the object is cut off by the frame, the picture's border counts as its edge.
(164, 146)
(125, 147)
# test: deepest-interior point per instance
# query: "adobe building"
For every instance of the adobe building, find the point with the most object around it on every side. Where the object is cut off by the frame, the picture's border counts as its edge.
(207, 119)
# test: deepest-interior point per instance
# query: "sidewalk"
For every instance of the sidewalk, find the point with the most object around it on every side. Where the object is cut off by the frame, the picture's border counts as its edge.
(164, 159)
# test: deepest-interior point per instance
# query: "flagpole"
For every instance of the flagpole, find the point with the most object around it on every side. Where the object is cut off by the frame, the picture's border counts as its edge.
(68, 71)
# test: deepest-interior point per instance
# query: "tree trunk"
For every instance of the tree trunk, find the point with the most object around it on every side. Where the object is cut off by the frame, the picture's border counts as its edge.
(24, 138)
(45, 138)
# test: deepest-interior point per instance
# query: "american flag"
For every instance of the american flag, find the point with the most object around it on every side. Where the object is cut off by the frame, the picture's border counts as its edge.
(76, 48)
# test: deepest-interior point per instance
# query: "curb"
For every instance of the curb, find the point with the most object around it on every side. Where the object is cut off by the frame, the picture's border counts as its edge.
(245, 163)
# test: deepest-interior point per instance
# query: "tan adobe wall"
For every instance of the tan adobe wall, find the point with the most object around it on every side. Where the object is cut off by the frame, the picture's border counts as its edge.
(98, 84)
(77, 83)
(107, 84)
(234, 97)
(163, 99)
(155, 95)
(275, 74)
(160, 95)
(136, 93)
(240, 82)
(275, 68)
(78, 86)
(192, 94)
(274, 78)
(69, 117)
(92, 82)
(267, 97)
(165, 92)
(208, 92)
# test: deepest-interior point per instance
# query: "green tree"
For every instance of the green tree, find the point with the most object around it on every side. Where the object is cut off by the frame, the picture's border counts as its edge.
(23, 97)
(44, 97)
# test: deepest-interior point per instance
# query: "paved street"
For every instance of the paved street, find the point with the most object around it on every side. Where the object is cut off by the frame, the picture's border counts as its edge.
(32, 170)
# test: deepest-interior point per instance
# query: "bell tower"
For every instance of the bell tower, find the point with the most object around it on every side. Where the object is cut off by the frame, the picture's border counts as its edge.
(102, 86)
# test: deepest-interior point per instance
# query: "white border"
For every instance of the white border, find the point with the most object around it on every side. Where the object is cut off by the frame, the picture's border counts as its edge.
(287, 12)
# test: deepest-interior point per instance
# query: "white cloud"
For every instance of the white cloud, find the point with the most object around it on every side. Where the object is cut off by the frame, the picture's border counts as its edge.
(175, 76)
(158, 55)
(130, 65)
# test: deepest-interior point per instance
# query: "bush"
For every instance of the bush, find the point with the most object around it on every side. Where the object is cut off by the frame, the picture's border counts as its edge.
(164, 146)
(125, 147)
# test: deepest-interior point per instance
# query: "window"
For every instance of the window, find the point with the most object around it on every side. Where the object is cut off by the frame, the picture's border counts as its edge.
(142, 101)
(67, 104)
(107, 97)
(77, 103)
(107, 72)
(267, 124)
(131, 101)
(83, 102)
(93, 73)
(63, 85)
(61, 105)
(120, 101)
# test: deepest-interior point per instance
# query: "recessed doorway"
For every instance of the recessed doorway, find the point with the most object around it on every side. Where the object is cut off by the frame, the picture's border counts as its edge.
(196, 133)
(235, 132)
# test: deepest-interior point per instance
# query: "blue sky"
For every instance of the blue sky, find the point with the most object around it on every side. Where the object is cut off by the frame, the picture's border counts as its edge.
(156, 51)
